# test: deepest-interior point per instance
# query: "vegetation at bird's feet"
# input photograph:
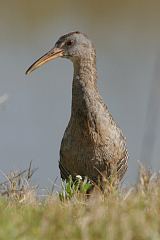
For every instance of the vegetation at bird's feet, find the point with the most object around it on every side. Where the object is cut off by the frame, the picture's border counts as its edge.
(71, 188)
(129, 214)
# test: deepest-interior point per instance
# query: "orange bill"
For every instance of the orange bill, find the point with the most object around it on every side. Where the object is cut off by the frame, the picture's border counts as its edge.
(52, 54)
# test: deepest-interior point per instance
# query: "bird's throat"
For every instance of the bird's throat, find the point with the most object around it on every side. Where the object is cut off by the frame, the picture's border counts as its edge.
(84, 87)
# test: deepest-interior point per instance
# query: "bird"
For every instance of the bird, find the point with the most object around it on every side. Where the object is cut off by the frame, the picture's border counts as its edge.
(93, 144)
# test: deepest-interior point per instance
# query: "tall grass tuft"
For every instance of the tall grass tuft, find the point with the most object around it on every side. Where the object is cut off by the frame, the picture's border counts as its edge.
(17, 186)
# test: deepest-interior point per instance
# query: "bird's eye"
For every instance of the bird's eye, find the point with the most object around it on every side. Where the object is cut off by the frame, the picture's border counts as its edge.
(69, 42)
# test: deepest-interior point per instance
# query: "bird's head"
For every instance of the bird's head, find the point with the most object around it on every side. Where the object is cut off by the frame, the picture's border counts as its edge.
(75, 46)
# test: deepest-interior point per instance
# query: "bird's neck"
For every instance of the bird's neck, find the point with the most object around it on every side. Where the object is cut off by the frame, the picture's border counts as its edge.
(84, 85)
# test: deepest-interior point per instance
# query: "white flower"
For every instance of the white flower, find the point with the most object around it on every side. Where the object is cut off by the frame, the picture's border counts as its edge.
(79, 177)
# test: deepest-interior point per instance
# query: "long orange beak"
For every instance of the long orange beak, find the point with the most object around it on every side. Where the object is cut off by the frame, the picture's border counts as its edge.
(52, 54)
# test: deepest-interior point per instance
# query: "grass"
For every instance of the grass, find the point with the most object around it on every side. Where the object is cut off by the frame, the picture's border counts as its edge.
(130, 214)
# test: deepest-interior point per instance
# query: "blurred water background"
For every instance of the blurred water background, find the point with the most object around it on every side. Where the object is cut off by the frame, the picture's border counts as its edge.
(35, 109)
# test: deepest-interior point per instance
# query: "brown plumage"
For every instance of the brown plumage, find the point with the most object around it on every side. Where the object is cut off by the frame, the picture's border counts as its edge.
(93, 145)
